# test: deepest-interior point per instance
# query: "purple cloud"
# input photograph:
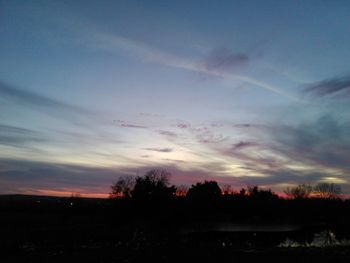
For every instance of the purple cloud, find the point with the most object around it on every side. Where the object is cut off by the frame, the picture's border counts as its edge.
(183, 125)
(224, 59)
(243, 145)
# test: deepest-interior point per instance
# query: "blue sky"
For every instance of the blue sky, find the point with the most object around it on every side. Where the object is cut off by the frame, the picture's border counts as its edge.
(243, 92)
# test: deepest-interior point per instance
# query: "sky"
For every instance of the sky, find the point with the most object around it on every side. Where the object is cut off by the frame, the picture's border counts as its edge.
(241, 92)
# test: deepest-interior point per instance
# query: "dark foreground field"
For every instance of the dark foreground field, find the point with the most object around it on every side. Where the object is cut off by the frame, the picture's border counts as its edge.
(39, 229)
(182, 254)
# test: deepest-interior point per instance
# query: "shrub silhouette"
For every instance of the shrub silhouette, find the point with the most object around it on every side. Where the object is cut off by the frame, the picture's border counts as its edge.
(206, 191)
(257, 193)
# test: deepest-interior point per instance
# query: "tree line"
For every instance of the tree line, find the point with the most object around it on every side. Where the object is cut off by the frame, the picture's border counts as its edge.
(155, 185)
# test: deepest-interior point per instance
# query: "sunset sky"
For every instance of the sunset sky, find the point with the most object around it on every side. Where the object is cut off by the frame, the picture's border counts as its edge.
(242, 92)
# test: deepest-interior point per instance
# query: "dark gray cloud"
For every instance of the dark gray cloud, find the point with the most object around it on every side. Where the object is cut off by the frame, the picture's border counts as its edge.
(329, 87)
(246, 125)
(18, 175)
(167, 133)
(37, 101)
(325, 142)
(224, 59)
(17, 136)
(13, 129)
(163, 150)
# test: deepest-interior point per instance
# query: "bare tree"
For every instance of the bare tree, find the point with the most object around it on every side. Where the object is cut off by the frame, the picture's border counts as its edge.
(327, 190)
(123, 187)
(300, 191)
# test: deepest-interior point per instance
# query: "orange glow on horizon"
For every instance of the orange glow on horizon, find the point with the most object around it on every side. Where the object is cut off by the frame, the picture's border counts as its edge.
(66, 193)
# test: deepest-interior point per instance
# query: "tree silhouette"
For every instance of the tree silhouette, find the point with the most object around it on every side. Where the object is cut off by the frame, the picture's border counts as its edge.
(242, 192)
(208, 190)
(153, 185)
(122, 188)
(261, 194)
(300, 191)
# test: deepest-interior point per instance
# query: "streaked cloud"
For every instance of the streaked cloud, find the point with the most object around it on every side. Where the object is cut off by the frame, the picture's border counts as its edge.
(126, 124)
(18, 137)
(243, 145)
(42, 103)
(100, 40)
(167, 133)
(330, 87)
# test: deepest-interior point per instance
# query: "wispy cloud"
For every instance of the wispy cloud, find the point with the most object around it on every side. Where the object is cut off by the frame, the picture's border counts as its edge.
(126, 124)
(163, 150)
(154, 115)
(153, 55)
(206, 135)
(97, 39)
(211, 138)
(260, 163)
(330, 87)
